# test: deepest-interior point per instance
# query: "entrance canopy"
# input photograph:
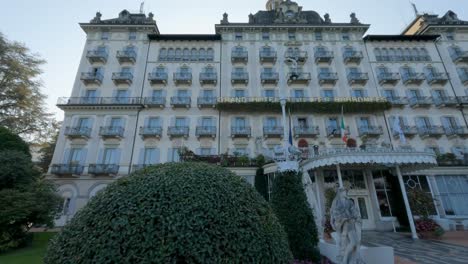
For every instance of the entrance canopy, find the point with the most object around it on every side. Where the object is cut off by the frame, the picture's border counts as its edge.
(407, 159)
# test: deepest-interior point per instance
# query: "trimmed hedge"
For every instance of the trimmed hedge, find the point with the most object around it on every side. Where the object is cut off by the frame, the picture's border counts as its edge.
(174, 213)
(290, 204)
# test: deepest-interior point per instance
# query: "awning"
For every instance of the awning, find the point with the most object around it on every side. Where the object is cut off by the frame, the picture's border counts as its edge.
(407, 159)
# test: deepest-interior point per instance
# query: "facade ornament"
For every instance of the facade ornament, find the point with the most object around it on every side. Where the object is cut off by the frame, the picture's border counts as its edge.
(151, 16)
(97, 18)
(327, 18)
(225, 19)
(346, 221)
(354, 19)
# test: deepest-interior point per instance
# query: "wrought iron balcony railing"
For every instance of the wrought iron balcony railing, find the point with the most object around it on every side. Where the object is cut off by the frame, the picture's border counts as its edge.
(94, 101)
(352, 56)
(78, 132)
(370, 131)
(155, 102)
(299, 77)
(388, 78)
(460, 57)
(445, 101)
(240, 77)
(306, 131)
(206, 102)
(268, 56)
(456, 131)
(299, 56)
(269, 77)
(178, 131)
(239, 56)
(431, 131)
(413, 78)
(398, 101)
(103, 169)
(182, 78)
(122, 77)
(244, 131)
(273, 131)
(112, 131)
(208, 78)
(358, 78)
(408, 131)
(420, 101)
(66, 169)
(439, 78)
(323, 56)
(181, 101)
(91, 78)
(151, 132)
(126, 56)
(97, 56)
(328, 78)
(158, 77)
(205, 131)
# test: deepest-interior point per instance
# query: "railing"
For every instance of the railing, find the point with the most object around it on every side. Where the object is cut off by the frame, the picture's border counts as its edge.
(62, 101)
(333, 131)
(464, 77)
(298, 55)
(158, 77)
(268, 55)
(155, 101)
(78, 132)
(299, 77)
(453, 131)
(388, 77)
(273, 131)
(445, 101)
(420, 101)
(111, 131)
(206, 101)
(239, 55)
(183, 77)
(122, 76)
(305, 131)
(210, 77)
(126, 55)
(66, 169)
(437, 78)
(181, 101)
(407, 131)
(91, 76)
(103, 169)
(328, 76)
(415, 78)
(240, 131)
(431, 131)
(323, 56)
(370, 131)
(205, 131)
(239, 76)
(97, 55)
(320, 153)
(350, 56)
(151, 131)
(178, 131)
(269, 76)
(398, 100)
(459, 56)
(358, 77)
(463, 99)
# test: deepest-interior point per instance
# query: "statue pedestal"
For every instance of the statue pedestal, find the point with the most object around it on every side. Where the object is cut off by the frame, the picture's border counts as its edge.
(381, 255)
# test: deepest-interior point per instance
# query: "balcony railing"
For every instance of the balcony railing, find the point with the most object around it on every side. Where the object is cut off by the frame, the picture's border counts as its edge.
(352, 56)
(413, 78)
(241, 131)
(420, 102)
(239, 56)
(240, 77)
(78, 132)
(370, 131)
(205, 131)
(103, 169)
(126, 56)
(388, 78)
(456, 131)
(91, 78)
(445, 101)
(306, 131)
(208, 78)
(398, 101)
(183, 78)
(122, 77)
(273, 131)
(178, 131)
(66, 169)
(463, 99)
(268, 56)
(151, 132)
(464, 78)
(78, 101)
(111, 132)
(181, 101)
(209, 102)
(460, 57)
(97, 56)
(299, 56)
(155, 102)
(408, 131)
(328, 78)
(157, 78)
(323, 56)
(431, 131)
(334, 132)
(358, 78)
(299, 77)
(269, 77)
(437, 78)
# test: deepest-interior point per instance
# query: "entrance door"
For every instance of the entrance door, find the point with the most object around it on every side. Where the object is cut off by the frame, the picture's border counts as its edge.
(363, 203)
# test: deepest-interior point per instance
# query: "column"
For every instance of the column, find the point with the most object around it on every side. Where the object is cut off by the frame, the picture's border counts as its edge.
(407, 206)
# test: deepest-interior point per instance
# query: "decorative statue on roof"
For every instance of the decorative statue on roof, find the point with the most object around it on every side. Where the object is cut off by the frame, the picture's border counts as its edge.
(151, 16)
(251, 19)
(97, 18)
(225, 19)
(354, 19)
(346, 221)
(327, 18)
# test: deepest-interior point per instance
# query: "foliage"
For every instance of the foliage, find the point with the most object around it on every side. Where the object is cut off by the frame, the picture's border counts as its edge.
(290, 204)
(16, 170)
(261, 183)
(31, 254)
(427, 225)
(11, 141)
(223, 160)
(421, 202)
(48, 146)
(330, 194)
(174, 213)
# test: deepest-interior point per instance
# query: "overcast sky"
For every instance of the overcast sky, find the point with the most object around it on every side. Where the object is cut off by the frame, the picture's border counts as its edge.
(50, 27)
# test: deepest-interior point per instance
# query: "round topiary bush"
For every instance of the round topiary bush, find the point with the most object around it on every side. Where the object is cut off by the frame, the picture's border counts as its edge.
(174, 213)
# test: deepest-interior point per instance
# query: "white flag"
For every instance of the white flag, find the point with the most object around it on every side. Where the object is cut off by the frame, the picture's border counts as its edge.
(397, 129)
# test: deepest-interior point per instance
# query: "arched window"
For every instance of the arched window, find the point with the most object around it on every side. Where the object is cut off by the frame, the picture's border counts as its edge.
(178, 54)
(194, 55)
(378, 54)
(415, 54)
(392, 54)
(186, 56)
(163, 54)
(407, 55)
(171, 54)
(425, 54)
(400, 54)
(385, 54)
(202, 56)
(210, 54)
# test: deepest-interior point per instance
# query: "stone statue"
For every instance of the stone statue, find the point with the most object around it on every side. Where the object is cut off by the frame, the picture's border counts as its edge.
(327, 18)
(354, 19)
(346, 221)
(225, 19)
(97, 18)
(151, 16)
(251, 19)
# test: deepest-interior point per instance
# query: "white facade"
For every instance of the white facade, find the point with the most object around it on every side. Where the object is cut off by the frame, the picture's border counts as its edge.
(139, 96)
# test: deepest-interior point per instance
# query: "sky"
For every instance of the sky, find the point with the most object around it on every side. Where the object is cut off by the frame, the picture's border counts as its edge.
(50, 27)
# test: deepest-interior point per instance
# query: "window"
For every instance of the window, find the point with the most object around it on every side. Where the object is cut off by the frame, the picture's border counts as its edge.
(210, 54)
(449, 122)
(84, 122)
(110, 156)
(240, 122)
(202, 55)
(332, 122)
(318, 36)
(157, 94)
(238, 35)
(186, 55)
(239, 93)
(121, 96)
(419, 182)
(180, 122)
(271, 122)
(440, 94)
(241, 151)
(150, 156)
(358, 93)
(208, 93)
(328, 94)
(105, 35)
(453, 190)
(389, 94)
(265, 36)
(75, 156)
(205, 151)
(383, 183)
(132, 35)
(364, 122)
(207, 122)
(292, 36)
(298, 93)
(182, 93)
(90, 94)
(423, 122)
(302, 122)
(163, 54)
(345, 37)
(414, 94)
(126, 70)
(353, 179)
(178, 54)
(173, 155)
(115, 122)
(194, 55)
(171, 54)
(153, 122)
(270, 93)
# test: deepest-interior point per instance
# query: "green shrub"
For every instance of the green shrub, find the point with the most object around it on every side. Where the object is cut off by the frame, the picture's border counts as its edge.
(290, 204)
(261, 183)
(174, 213)
(10, 141)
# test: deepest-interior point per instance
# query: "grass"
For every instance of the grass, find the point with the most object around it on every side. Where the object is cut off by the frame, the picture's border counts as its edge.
(29, 255)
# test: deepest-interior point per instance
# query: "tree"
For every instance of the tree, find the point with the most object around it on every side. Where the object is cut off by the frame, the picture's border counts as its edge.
(290, 204)
(48, 146)
(10, 141)
(22, 107)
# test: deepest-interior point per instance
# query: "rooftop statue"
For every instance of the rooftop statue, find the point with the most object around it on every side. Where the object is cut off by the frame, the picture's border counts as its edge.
(354, 19)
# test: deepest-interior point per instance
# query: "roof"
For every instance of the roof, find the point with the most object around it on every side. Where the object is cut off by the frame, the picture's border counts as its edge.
(188, 37)
(427, 20)
(401, 37)
(125, 18)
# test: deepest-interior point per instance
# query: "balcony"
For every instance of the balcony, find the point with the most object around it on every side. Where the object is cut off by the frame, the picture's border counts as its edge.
(416, 102)
(78, 132)
(408, 131)
(237, 132)
(208, 78)
(306, 132)
(388, 78)
(206, 102)
(273, 131)
(157, 78)
(181, 102)
(299, 78)
(463, 100)
(464, 78)
(269, 77)
(299, 56)
(334, 132)
(178, 131)
(66, 169)
(240, 78)
(370, 131)
(126, 56)
(111, 132)
(445, 101)
(413, 78)
(268, 56)
(122, 78)
(159, 102)
(91, 78)
(352, 57)
(98, 101)
(323, 56)
(205, 131)
(103, 169)
(431, 131)
(183, 78)
(456, 131)
(358, 78)
(97, 56)
(327, 78)
(151, 132)
(437, 78)
(460, 57)
(398, 101)
(239, 56)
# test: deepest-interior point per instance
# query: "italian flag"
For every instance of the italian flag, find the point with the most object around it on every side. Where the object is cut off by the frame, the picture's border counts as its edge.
(344, 137)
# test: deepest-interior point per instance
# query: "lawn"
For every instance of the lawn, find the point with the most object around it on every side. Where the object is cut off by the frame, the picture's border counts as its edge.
(29, 255)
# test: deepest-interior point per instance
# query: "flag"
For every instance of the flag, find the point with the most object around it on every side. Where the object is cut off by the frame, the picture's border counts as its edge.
(397, 129)
(290, 129)
(344, 137)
